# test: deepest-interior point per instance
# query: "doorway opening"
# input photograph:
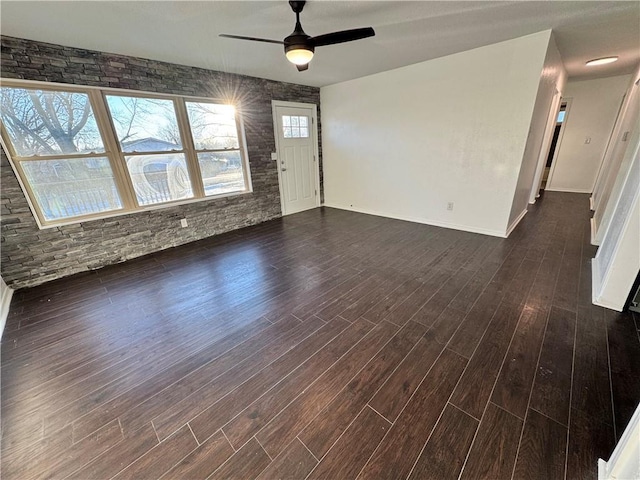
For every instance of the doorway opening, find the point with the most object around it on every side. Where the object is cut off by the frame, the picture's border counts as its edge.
(555, 141)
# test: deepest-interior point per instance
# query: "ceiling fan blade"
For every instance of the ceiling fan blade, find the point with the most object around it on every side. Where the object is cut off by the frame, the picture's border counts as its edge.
(302, 68)
(343, 36)
(253, 39)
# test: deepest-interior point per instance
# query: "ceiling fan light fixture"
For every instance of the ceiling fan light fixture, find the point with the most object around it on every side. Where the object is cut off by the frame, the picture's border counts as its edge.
(299, 47)
(601, 61)
(299, 55)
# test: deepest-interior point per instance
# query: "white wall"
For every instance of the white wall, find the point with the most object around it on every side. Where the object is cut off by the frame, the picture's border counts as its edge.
(552, 80)
(5, 300)
(404, 143)
(625, 460)
(617, 261)
(613, 158)
(593, 111)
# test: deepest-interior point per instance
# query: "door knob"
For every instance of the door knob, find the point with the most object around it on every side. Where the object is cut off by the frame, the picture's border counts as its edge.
(284, 169)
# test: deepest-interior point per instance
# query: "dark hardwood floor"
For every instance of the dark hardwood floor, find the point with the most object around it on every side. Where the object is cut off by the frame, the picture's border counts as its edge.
(326, 344)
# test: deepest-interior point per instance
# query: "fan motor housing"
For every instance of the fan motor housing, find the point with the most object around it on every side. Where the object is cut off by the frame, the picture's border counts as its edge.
(297, 6)
(296, 42)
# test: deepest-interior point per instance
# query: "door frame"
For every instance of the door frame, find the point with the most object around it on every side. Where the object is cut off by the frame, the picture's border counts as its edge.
(313, 108)
(563, 128)
(556, 102)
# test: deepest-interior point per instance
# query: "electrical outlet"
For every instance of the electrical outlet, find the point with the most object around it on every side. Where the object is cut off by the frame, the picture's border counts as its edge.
(183, 222)
(450, 206)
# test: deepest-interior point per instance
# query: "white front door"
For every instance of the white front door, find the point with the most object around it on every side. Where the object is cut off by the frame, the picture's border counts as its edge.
(297, 166)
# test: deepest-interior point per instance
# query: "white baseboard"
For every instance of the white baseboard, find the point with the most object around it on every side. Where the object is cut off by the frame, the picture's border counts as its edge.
(596, 287)
(594, 240)
(435, 223)
(568, 190)
(515, 223)
(595, 280)
(591, 203)
(625, 459)
(607, 305)
(5, 301)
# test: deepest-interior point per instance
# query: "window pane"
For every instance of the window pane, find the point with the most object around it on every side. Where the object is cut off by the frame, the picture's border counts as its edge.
(294, 121)
(41, 122)
(295, 132)
(145, 124)
(303, 121)
(212, 126)
(221, 172)
(287, 132)
(159, 178)
(286, 120)
(304, 132)
(68, 188)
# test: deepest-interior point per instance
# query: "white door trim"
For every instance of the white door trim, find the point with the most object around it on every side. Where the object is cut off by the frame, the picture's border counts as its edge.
(625, 459)
(563, 128)
(316, 152)
(5, 303)
(556, 102)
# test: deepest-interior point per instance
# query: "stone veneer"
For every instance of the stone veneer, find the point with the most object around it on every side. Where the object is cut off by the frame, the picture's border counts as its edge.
(30, 256)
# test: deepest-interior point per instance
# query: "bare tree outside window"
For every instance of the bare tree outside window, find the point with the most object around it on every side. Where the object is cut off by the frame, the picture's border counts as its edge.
(215, 136)
(68, 170)
(145, 127)
(213, 126)
(42, 122)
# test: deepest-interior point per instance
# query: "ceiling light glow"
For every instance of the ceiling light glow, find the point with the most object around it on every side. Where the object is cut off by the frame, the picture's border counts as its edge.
(601, 61)
(299, 56)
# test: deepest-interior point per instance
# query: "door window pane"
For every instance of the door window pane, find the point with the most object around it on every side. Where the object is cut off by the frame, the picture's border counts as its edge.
(295, 126)
(213, 126)
(44, 122)
(221, 172)
(159, 178)
(72, 187)
(561, 115)
(145, 124)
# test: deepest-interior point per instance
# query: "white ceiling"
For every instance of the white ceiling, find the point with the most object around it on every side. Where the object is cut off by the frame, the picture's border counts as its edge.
(186, 32)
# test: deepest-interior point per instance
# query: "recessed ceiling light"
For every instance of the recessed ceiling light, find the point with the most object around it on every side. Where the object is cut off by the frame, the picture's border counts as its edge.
(601, 61)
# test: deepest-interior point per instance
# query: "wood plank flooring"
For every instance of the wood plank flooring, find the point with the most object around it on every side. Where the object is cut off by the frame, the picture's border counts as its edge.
(326, 344)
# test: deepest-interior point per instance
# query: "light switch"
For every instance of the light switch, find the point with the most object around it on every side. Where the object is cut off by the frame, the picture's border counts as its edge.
(274, 156)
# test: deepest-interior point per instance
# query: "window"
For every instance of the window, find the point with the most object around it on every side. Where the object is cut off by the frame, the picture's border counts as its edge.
(148, 135)
(215, 137)
(294, 126)
(58, 152)
(84, 153)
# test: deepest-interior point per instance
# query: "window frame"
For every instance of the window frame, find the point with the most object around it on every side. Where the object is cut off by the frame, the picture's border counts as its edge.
(194, 174)
(115, 155)
(196, 151)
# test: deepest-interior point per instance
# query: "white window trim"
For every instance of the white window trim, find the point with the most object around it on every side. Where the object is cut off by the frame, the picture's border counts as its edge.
(116, 156)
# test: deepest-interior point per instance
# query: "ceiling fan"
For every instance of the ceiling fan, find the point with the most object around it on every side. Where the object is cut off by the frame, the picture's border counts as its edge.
(299, 47)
